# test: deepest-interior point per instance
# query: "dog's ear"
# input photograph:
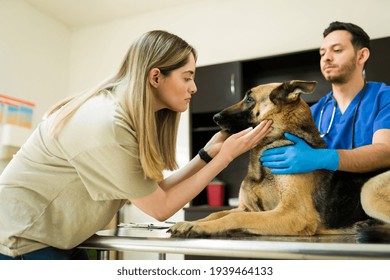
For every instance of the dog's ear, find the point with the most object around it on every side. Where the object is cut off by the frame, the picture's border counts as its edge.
(290, 91)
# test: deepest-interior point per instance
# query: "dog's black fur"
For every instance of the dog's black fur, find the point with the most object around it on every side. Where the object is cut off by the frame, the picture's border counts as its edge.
(337, 199)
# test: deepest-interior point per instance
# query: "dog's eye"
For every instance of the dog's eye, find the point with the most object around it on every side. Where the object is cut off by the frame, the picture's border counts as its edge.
(249, 99)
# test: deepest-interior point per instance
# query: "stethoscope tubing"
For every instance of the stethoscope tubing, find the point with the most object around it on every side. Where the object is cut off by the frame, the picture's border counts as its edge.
(334, 113)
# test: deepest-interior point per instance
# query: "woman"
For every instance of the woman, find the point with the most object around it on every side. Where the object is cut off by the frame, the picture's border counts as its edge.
(96, 150)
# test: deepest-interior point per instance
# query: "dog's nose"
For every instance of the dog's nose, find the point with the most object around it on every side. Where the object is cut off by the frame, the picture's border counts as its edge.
(217, 118)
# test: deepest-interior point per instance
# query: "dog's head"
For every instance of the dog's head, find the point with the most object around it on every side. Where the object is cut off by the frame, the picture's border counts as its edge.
(279, 102)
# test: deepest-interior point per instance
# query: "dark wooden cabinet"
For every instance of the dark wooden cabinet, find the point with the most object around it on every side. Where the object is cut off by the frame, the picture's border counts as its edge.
(303, 65)
(218, 86)
(378, 65)
(222, 85)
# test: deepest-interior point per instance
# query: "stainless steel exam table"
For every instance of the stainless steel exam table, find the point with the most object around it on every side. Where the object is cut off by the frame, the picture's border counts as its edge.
(259, 247)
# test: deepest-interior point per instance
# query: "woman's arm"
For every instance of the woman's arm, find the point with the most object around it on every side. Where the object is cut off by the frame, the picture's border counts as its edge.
(212, 148)
(181, 187)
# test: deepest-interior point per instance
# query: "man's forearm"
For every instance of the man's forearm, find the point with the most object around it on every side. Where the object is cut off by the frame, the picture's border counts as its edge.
(365, 159)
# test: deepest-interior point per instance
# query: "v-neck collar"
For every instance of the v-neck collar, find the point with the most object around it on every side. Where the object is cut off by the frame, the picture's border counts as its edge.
(351, 106)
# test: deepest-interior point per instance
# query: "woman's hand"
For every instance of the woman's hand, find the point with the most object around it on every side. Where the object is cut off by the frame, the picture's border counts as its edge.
(215, 143)
(240, 142)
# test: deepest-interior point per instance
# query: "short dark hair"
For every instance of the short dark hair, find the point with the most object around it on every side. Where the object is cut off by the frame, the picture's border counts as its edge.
(360, 38)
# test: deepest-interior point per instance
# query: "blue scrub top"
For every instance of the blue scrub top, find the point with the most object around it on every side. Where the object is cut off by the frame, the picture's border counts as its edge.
(372, 114)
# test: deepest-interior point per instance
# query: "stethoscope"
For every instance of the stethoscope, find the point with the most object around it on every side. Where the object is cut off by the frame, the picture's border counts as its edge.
(334, 113)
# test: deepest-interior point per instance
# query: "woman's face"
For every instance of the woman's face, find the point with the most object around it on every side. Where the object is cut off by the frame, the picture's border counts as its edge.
(174, 91)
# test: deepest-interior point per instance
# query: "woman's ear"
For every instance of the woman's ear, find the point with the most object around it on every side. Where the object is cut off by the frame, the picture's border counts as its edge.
(154, 77)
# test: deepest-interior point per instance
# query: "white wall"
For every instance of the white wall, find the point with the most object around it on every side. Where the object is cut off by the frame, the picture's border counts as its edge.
(34, 56)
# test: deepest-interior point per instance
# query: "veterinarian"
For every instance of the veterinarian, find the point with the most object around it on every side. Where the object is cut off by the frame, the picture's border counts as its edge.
(353, 119)
(96, 150)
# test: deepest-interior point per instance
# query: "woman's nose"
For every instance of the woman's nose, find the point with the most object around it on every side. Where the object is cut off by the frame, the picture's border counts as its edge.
(193, 89)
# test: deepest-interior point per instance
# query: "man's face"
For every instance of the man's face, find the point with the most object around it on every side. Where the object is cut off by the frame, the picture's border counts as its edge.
(338, 57)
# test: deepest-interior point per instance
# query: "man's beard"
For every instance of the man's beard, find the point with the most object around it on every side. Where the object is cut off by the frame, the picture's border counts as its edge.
(344, 74)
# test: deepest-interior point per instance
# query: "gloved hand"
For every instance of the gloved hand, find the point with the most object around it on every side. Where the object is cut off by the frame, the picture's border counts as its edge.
(299, 158)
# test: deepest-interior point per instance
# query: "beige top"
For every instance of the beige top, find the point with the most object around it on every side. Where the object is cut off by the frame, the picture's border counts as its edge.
(58, 192)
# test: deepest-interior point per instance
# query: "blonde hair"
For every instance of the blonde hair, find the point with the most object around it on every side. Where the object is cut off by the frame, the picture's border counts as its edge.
(156, 131)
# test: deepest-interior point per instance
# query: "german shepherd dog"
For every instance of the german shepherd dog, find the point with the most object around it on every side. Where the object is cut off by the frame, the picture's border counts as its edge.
(318, 202)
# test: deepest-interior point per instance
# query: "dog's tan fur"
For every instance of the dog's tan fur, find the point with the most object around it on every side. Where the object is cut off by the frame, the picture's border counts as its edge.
(273, 204)
(375, 197)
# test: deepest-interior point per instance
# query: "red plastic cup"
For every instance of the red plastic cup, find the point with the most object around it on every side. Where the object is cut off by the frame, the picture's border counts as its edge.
(215, 194)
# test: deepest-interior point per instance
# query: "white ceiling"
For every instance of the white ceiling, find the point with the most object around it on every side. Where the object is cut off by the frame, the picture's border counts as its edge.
(77, 13)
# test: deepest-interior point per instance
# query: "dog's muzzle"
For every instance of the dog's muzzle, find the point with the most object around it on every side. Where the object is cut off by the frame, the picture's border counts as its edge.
(217, 118)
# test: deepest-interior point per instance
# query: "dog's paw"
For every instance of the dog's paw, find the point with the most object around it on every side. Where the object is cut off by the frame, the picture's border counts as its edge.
(362, 225)
(180, 229)
(186, 229)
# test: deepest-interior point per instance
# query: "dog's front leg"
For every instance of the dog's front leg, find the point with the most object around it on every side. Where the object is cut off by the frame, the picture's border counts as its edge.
(219, 214)
(182, 228)
(202, 228)
(277, 222)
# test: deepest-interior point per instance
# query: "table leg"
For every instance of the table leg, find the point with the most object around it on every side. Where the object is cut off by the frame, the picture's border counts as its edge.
(103, 254)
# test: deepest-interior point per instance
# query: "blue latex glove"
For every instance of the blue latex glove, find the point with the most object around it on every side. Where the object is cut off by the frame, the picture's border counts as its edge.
(299, 158)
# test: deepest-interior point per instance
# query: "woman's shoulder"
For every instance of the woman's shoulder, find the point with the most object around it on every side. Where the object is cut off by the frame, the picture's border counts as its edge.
(96, 122)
